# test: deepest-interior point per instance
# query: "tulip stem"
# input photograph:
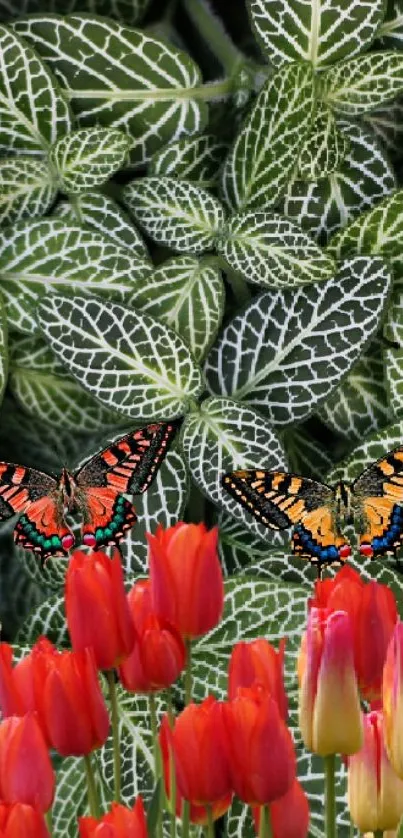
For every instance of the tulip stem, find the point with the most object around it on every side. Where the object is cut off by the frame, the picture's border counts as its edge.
(91, 788)
(185, 818)
(115, 732)
(210, 823)
(154, 731)
(172, 775)
(330, 797)
(265, 830)
(188, 672)
(49, 822)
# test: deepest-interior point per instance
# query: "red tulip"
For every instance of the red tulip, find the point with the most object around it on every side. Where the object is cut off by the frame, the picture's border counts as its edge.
(119, 822)
(289, 815)
(392, 699)
(186, 577)
(17, 820)
(258, 662)
(260, 747)
(26, 773)
(16, 683)
(159, 654)
(97, 610)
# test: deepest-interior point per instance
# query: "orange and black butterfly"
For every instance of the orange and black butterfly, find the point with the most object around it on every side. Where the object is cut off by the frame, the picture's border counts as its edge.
(375, 499)
(96, 490)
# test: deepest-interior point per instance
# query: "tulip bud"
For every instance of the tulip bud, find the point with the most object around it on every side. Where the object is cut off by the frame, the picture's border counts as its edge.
(392, 699)
(119, 822)
(18, 820)
(289, 815)
(26, 773)
(258, 662)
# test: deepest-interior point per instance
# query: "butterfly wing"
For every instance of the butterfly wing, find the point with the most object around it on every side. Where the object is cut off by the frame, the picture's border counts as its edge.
(279, 500)
(128, 466)
(379, 493)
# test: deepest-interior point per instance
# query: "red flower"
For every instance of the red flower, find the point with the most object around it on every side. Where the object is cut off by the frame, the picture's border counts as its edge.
(17, 820)
(289, 815)
(186, 577)
(26, 773)
(159, 654)
(16, 683)
(258, 662)
(97, 610)
(120, 822)
(260, 747)
(198, 813)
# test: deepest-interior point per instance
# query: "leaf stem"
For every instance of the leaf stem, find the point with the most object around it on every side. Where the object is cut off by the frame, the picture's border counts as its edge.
(188, 672)
(330, 796)
(212, 31)
(93, 801)
(115, 732)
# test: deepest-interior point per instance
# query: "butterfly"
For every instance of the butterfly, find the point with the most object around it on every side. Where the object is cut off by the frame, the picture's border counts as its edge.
(280, 500)
(96, 490)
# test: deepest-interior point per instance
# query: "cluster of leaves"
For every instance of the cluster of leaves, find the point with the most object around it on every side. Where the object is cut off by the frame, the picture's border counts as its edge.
(264, 303)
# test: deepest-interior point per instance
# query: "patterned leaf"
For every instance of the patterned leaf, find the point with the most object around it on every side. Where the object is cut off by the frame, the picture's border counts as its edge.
(175, 213)
(3, 349)
(390, 31)
(393, 327)
(223, 436)
(266, 150)
(239, 547)
(187, 294)
(197, 159)
(268, 249)
(373, 447)
(325, 148)
(103, 214)
(324, 33)
(71, 798)
(364, 178)
(306, 455)
(33, 111)
(394, 379)
(49, 619)
(43, 388)
(53, 254)
(128, 360)
(128, 11)
(19, 594)
(87, 158)
(364, 83)
(387, 122)
(308, 339)
(124, 78)
(27, 188)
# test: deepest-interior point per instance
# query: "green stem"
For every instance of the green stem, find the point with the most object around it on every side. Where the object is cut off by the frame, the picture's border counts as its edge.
(172, 775)
(93, 801)
(49, 822)
(157, 759)
(265, 830)
(185, 818)
(209, 831)
(330, 796)
(188, 672)
(115, 732)
(212, 31)
(400, 829)
(378, 833)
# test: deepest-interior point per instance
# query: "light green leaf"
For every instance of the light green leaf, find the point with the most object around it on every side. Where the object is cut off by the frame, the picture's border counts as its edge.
(120, 77)
(27, 188)
(268, 249)
(324, 149)
(239, 547)
(128, 360)
(370, 450)
(390, 32)
(306, 455)
(365, 176)
(175, 213)
(44, 389)
(188, 295)
(322, 33)
(33, 111)
(88, 158)
(197, 159)
(55, 255)
(394, 379)
(364, 83)
(222, 436)
(106, 216)
(387, 122)
(71, 798)
(265, 153)
(308, 339)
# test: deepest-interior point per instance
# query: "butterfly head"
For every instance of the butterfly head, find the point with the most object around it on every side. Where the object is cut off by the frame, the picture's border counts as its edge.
(67, 487)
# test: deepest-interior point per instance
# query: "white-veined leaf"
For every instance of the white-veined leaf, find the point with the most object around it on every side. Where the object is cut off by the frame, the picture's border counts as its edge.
(286, 350)
(48, 618)
(371, 449)
(325, 147)
(387, 122)
(33, 111)
(27, 188)
(187, 294)
(266, 150)
(128, 360)
(175, 213)
(87, 158)
(390, 32)
(394, 379)
(125, 11)
(3, 349)
(306, 455)
(55, 255)
(364, 83)
(239, 547)
(268, 249)
(197, 159)
(120, 77)
(322, 33)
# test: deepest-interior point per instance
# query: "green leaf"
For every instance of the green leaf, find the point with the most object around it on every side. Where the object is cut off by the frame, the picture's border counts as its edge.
(188, 295)
(390, 32)
(307, 340)
(33, 111)
(49, 619)
(370, 450)
(124, 78)
(394, 379)
(128, 360)
(268, 249)
(222, 436)
(364, 83)
(324, 149)
(128, 11)
(54, 254)
(27, 188)
(365, 176)
(3, 349)
(393, 327)
(88, 158)
(239, 547)
(387, 122)
(197, 159)
(266, 150)
(175, 213)
(322, 33)
(306, 455)
(44, 389)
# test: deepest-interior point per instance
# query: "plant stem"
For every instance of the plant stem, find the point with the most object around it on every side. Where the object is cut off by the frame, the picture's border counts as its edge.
(210, 823)
(330, 797)
(157, 759)
(188, 672)
(399, 833)
(265, 830)
(213, 32)
(49, 822)
(185, 818)
(115, 732)
(91, 788)
(378, 833)
(172, 775)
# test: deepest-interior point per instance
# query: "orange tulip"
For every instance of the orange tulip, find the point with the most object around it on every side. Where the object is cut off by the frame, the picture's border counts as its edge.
(26, 773)
(119, 822)
(258, 662)
(186, 577)
(289, 815)
(97, 610)
(17, 820)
